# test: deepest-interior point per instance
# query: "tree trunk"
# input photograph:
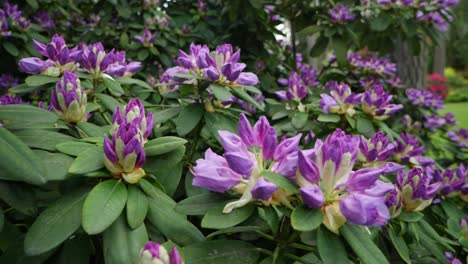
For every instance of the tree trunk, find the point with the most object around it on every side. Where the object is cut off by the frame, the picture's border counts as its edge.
(411, 68)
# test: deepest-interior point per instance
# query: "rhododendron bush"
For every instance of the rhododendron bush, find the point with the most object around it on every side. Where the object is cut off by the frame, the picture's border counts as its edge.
(185, 132)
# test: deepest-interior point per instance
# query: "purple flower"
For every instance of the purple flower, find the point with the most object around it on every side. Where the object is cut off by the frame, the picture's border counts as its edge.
(452, 181)
(378, 148)
(146, 39)
(34, 65)
(69, 99)
(407, 148)
(341, 14)
(201, 6)
(246, 156)
(420, 97)
(296, 90)
(96, 61)
(170, 81)
(451, 259)
(9, 99)
(417, 189)
(372, 65)
(124, 153)
(460, 137)
(376, 103)
(7, 80)
(326, 176)
(44, 20)
(434, 121)
(341, 100)
(153, 253)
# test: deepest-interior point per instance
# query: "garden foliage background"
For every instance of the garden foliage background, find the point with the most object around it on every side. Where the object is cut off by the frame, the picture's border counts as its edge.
(126, 121)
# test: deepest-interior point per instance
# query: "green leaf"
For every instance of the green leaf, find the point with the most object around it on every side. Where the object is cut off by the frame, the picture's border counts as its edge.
(17, 161)
(89, 160)
(319, 47)
(362, 244)
(410, 216)
(306, 219)
(109, 102)
(270, 216)
(365, 127)
(22, 88)
(92, 130)
(341, 49)
(221, 92)
(56, 164)
(121, 245)
(55, 224)
(171, 224)
(43, 139)
(11, 48)
(380, 23)
(162, 145)
(113, 86)
(280, 181)
(165, 114)
(330, 247)
(155, 193)
(165, 161)
(2, 219)
(299, 120)
(74, 148)
(234, 229)
(242, 94)
(103, 205)
(400, 245)
(127, 80)
(26, 114)
(137, 206)
(188, 118)
(19, 196)
(432, 247)
(329, 118)
(198, 204)
(76, 250)
(169, 177)
(427, 228)
(221, 252)
(310, 30)
(216, 219)
(37, 80)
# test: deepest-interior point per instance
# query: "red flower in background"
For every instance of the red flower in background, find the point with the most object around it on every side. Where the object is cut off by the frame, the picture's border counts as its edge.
(437, 83)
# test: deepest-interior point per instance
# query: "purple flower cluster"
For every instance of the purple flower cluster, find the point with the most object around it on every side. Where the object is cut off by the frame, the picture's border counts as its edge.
(417, 188)
(97, 61)
(270, 10)
(340, 14)
(327, 179)
(460, 137)
(9, 99)
(153, 253)
(435, 121)
(147, 39)
(372, 65)
(375, 152)
(451, 259)
(221, 66)
(201, 7)
(124, 153)
(43, 19)
(409, 150)
(69, 99)
(421, 97)
(454, 183)
(376, 103)
(341, 100)
(8, 80)
(255, 150)
(59, 58)
(12, 13)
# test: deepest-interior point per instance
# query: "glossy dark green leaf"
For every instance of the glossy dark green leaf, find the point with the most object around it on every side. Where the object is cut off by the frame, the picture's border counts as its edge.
(299, 120)
(43, 139)
(365, 127)
(17, 161)
(400, 245)
(189, 118)
(168, 160)
(198, 204)
(89, 160)
(39, 79)
(330, 247)
(163, 115)
(55, 224)
(234, 229)
(103, 205)
(113, 86)
(137, 206)
(221, 92)
(169, 177)
(162, 145)
(306, 219)
(122, 245)
(108, 102)
(127, 80)
(74, 148)
(92, 130)
(27, 114)
(55, 164)
(328, 118)
(410, 216)
(362, 244)
(216, 219)
(221, 252)
(172, 224)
